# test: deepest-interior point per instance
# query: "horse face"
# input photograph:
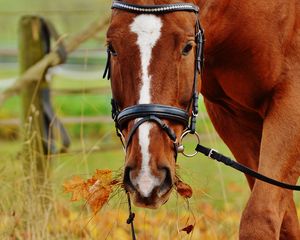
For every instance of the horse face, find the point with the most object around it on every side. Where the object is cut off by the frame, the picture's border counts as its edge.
(152, 62)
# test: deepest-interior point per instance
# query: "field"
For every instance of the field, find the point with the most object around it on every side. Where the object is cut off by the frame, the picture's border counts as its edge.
(219, 193)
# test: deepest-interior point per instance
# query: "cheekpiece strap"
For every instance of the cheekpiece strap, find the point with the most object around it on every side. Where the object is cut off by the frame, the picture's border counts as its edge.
(155, 9)
(107, 70)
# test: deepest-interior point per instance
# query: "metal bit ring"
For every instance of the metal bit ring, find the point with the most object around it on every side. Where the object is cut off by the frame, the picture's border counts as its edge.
(181, 147)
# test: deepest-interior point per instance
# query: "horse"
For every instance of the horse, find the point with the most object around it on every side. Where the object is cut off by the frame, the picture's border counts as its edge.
(251, 90)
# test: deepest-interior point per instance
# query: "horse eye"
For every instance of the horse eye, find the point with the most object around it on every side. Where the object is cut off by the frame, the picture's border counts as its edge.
(111, 49)
(188, 47)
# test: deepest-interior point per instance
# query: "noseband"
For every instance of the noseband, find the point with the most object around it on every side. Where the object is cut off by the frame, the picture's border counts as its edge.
(142, 113)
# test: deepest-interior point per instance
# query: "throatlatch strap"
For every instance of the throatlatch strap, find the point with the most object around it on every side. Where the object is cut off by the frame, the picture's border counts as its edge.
(213, 154)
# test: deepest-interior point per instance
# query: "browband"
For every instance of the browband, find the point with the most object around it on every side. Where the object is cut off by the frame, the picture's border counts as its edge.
(155, 9)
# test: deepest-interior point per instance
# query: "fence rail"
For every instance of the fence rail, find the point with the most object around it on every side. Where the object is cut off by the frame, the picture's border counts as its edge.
(50, 12)
(65, 120)
(77, 120)
(78, 52)
(99, 90)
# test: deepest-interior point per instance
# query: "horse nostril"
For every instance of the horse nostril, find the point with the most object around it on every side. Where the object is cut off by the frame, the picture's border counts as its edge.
(126, 180)
(167, 182)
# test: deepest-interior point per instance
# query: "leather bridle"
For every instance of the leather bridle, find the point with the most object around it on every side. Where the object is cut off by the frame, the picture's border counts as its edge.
(142, 113)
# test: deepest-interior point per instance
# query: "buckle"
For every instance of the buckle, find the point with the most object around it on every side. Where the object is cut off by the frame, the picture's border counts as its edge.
(211, 152)
(194, 114)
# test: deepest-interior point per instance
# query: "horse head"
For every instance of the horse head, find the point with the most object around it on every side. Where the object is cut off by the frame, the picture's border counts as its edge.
(153, 62)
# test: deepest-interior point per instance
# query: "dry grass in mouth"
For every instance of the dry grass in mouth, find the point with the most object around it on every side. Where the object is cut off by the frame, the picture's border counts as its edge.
(97, 191)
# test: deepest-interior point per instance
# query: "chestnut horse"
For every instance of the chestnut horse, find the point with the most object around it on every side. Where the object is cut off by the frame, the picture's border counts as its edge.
(251, 89)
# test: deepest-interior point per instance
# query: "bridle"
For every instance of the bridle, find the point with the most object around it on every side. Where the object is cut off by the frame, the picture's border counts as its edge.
(155, 112)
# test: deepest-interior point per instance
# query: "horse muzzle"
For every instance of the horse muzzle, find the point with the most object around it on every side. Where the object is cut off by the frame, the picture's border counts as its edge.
(149, 191)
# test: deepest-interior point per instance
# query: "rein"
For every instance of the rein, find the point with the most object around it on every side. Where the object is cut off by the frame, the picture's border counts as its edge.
(213, 154)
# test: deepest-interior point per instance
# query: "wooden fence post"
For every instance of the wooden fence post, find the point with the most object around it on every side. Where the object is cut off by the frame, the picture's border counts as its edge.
(34, 44)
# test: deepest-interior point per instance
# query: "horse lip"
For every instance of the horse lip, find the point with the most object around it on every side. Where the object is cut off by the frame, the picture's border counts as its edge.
(148, 202)
(163, 192)
(153, 202)
(130, 188)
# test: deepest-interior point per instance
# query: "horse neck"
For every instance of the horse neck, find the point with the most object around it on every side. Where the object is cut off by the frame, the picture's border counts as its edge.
(223, 18)
(215, 18)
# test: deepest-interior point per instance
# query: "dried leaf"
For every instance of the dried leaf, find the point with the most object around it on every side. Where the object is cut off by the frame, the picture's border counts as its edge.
(77, 187)
(183, 189)
(188, 229)
(99, 195)
(104, 176)
(100, 190)
(95, 191)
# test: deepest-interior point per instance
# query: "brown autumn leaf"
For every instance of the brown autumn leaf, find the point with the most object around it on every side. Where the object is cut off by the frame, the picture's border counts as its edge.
(98, 195)
(77, 187)
(104, 176)
(101, 189)
(183, 189)
(188, 229)
(95, 190)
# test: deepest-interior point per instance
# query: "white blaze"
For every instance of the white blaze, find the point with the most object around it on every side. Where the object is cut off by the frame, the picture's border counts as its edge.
(147, 28)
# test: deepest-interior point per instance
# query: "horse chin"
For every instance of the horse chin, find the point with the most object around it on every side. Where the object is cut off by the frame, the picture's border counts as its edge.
(153, 202)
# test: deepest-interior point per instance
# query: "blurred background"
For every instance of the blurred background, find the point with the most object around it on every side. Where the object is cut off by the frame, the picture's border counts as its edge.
(80, 98)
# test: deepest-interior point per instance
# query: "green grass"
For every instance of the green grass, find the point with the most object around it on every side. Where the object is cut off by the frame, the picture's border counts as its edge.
(65, 82)
(11, 108)
(200, 173)
(7, 72)
(91, 105)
